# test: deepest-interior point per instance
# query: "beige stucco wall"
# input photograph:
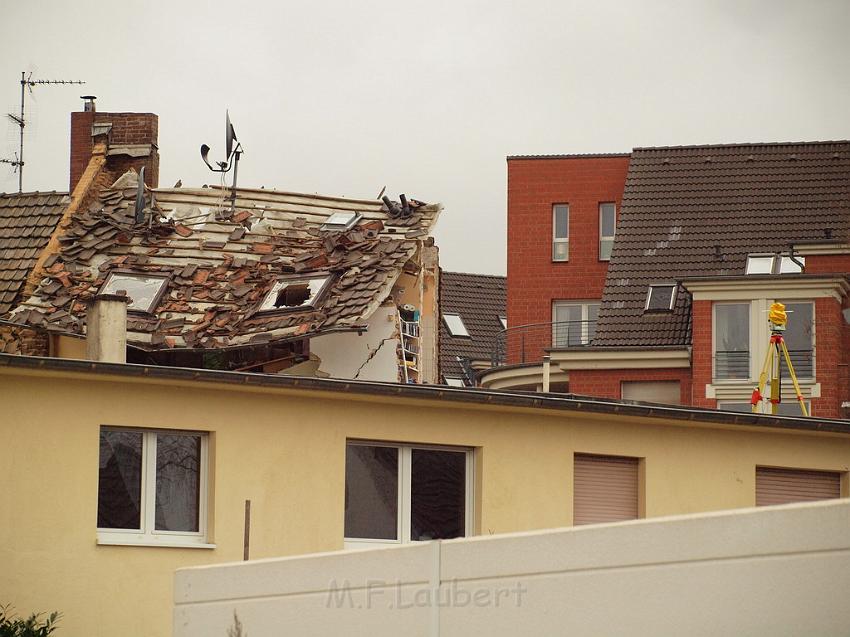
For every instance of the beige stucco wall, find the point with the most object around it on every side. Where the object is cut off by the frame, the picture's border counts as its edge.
(284, 450)
(672, 576)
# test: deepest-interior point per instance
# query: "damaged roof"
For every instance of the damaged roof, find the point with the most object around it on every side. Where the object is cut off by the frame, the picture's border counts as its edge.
(698, 211)
(479, 300)
(26, 222)
(220, 265)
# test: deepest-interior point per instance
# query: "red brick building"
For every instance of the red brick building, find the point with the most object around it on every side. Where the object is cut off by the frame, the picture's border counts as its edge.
(706, 238)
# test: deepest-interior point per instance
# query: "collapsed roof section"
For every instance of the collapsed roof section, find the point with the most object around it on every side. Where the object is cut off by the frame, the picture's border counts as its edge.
(201, 275)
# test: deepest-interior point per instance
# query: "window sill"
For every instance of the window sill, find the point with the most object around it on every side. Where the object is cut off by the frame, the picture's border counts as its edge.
(176, 544)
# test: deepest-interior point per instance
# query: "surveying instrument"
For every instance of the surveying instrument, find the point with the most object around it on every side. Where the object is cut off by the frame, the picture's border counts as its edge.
(777, 319)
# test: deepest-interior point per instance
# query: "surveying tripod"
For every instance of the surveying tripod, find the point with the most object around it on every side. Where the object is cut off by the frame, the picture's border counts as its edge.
(777, 320)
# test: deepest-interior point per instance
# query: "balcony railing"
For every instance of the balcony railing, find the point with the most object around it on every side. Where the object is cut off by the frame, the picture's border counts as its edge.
(736, 364)
(526, 343)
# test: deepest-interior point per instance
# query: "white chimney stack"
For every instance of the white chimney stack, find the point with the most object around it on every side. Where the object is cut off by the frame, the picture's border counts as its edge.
(106, 328)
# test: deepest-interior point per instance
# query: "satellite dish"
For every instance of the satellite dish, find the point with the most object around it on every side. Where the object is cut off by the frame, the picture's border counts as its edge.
(229, 135)
(140, 198)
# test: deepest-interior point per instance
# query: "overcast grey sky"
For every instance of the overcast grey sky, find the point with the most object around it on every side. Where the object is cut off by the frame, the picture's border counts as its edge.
(427, 98)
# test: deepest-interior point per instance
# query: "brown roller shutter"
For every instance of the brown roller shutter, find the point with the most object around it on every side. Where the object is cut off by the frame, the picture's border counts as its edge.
(780, 486)
(605, 489)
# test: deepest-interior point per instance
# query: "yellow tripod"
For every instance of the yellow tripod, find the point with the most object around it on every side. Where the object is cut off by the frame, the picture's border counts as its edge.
(777, 320)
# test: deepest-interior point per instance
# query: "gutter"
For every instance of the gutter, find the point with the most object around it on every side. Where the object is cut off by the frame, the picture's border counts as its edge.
(568, 403)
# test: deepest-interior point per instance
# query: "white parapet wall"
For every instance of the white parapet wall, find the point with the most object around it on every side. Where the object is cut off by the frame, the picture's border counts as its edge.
(771, 571)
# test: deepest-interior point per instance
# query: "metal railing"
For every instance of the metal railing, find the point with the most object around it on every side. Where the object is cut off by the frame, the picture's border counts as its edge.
(526, 343)
(732, 365)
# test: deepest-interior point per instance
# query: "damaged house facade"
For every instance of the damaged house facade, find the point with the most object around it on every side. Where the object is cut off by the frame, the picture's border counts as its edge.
(273, 282)
(648, 276)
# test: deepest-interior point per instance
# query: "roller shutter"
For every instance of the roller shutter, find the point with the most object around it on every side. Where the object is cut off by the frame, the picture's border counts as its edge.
(780, 486)
(605, 489)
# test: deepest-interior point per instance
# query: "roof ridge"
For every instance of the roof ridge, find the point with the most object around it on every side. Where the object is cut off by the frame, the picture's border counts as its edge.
(33, 192)
(744, 144)
(569, 156)
(492, 276)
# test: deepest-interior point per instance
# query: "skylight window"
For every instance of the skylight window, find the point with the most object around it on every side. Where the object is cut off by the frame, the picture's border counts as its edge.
(455, 325)
(503, 321)
(341, 220)
(661, 298)
(143, 291)
(294, 293)
(774, 264)
(454, 381)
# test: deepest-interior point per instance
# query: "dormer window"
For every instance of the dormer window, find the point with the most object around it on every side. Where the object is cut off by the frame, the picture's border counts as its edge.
(774, 264)
(296, 293)
(661, 298)
(143, 291)
(341, 221)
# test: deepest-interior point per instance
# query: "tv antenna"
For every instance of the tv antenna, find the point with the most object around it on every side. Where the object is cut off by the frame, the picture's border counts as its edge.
(231, 157)
(26, 85)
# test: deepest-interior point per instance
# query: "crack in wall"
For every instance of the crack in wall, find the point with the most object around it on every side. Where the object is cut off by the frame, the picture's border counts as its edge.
(373, 354)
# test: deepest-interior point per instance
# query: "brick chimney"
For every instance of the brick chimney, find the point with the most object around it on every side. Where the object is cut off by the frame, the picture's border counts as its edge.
(131, 137)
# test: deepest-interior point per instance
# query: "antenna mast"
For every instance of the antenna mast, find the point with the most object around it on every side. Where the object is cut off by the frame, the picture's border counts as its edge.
(27, 83)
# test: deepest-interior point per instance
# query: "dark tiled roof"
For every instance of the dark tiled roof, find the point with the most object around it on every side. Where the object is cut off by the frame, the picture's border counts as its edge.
(26, 222)
(479, 299)
(699, 210)
(220, 265)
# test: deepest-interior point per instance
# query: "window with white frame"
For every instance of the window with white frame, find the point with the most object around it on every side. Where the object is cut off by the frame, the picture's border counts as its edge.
(396, 493)
(454, 381)
(573, 322)
(661, 297)
(152, 487)
(607, 228)
(731, 341)
(296, 292)
(143, 291)
(799, 338)
(560, 232)
(455, 324)
(774, 264)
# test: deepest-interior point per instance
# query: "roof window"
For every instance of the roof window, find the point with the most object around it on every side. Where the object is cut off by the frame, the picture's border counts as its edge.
(454, 381)
(661, 298)
(774, 264)
(455, 325)
(503, 321)
(294, 293)
(143, 291)
(341, 220)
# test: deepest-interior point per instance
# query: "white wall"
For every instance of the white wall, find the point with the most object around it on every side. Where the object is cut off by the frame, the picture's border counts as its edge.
(770, 571)
(370, 356)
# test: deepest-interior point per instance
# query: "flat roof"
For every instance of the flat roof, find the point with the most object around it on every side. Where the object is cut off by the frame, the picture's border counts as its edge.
(562, 402)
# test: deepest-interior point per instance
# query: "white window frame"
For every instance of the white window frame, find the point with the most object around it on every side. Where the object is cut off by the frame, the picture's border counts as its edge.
(268, 303)
(405, 463)
(604, 237)
(503, 321)
(463, 332)
(454, 381)
(786, 303)
(112, 285)
(342, 220)
(673, 296)
(585, 313)
(752, 348)
(556, 240)
(148, 535)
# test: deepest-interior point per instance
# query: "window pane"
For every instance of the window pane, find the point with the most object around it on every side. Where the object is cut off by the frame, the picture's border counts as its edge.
(371, 492)
(660, 298)
(607, 220)
(141, 290)
(567, 329)
(178, 481)
(455, 325)
(759, 265)
(562, 222)
(798, 339)
(592, 316)
(120, 480)
(605, 247)
(732, 337)
(560, 251)
(437, 495)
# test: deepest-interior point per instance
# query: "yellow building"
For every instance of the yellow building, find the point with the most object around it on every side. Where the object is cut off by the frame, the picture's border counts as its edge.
(115, 475)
